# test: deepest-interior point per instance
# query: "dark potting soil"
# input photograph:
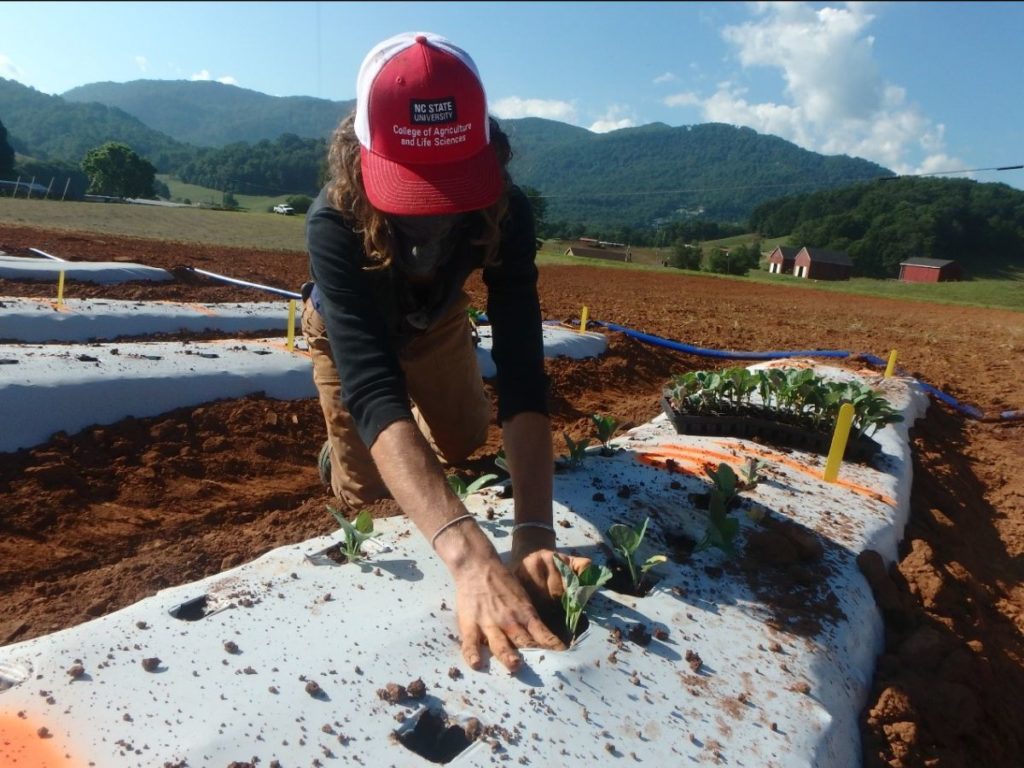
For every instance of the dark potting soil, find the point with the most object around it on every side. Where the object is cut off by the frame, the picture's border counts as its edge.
(434, 738)
(768, 426)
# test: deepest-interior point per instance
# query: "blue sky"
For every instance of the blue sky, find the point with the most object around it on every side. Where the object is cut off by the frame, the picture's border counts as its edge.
(919, 87)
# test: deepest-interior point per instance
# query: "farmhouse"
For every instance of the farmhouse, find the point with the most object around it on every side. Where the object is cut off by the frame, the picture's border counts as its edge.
(819, 264)
(780, 261)
(608, 254)
(929, 270)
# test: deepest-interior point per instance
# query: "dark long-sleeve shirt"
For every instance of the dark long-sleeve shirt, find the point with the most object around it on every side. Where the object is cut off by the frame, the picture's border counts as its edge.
(370, 314)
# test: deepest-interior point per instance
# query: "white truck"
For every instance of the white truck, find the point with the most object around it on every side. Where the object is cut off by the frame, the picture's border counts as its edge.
(287, 210)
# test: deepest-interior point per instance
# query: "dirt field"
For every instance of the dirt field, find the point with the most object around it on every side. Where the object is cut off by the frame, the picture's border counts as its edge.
(96, 521)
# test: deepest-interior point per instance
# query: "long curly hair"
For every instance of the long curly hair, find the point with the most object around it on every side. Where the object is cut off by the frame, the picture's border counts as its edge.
(346, 193)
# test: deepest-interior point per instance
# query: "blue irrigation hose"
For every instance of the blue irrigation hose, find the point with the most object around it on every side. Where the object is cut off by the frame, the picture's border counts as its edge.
(680, 347)
(967, 410)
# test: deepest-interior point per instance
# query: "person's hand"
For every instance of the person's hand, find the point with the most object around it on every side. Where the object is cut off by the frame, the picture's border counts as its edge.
(533, 563)
(494, 609)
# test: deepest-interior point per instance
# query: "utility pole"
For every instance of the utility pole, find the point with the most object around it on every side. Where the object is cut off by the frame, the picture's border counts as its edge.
(48, 187)
(66, 185)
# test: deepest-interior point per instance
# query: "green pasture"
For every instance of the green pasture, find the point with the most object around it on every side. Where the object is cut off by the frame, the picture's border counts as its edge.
(206, 196)
(271, 231)
(264, 231)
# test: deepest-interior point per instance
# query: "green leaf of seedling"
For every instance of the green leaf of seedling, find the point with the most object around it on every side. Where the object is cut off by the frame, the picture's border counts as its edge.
(652, 561)
(501, 462)
(479, 483)
(577, 451)
(364, 522)
(625, 539)
(579, 589)
(590, 580)
(355, 534)
(458, 485)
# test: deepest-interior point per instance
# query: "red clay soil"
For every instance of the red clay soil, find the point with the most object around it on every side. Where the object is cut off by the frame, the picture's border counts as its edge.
(98, 520)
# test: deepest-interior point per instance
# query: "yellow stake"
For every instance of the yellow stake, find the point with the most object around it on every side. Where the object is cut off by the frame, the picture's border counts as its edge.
(291, 325)
(839, 438)
(892, 364)
(583, 320)
(60, 289)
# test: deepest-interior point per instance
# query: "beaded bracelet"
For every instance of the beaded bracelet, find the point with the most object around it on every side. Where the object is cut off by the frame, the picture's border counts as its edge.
(446, 526)
(531, 524)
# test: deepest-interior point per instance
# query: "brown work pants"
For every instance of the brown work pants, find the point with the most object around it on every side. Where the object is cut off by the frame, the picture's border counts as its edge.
(449, 403)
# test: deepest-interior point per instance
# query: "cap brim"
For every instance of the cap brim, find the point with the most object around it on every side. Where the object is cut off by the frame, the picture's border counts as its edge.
(432, 189)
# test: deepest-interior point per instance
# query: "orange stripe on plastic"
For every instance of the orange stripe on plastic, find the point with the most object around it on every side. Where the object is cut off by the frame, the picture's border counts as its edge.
(699, 456)
(21, 746)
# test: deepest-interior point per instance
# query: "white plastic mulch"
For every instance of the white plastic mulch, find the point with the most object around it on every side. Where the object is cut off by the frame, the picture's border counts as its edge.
(756, 696)
(44, 321)
(104, 272)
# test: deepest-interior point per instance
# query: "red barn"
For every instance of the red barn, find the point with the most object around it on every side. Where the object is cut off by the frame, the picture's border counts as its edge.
(819, 264)
(780, 261)
(929, 270)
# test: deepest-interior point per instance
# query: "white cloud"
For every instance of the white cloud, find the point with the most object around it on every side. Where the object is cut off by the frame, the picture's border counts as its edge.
(614, 118)
(8, 69)
(686, 99)
(835, 98)
(142, 63)
(666, 77)
(204, 74)
(514, 107)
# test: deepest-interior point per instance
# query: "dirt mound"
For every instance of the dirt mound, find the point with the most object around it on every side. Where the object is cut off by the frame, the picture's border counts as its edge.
(96, 521)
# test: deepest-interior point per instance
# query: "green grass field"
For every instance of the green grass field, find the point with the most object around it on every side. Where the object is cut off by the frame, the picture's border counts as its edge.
(270, 231)
(265, 231)
(204, 195)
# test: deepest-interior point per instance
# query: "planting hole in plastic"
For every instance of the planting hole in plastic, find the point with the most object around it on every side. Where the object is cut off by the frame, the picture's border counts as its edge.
(435, 738)
(12, 674)
(192, 610)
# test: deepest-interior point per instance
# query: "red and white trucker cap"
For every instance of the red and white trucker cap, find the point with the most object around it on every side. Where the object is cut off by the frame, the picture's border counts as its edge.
(421, 118)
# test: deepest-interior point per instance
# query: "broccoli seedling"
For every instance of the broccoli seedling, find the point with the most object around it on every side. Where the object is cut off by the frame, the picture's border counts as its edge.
(501, 462)
(579, 589)
(752, 473)
(458, 485)
(626, 541)
(577, 451)
(356, 532)
(722, 529)
(605, 427)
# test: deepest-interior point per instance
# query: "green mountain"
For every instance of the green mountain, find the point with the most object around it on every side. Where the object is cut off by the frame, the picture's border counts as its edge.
(655, 174)
(643, 176)
(50, 128)
(213, 114)
(640, 177)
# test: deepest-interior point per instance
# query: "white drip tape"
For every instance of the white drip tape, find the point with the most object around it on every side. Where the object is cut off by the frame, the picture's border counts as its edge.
(757, 696)
(105, 272)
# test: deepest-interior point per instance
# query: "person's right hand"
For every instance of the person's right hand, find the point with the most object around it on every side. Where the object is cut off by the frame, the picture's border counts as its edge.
(493, 609)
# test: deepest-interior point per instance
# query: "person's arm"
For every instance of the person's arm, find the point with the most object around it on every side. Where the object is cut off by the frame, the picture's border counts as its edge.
(491, 604)
(513, 308)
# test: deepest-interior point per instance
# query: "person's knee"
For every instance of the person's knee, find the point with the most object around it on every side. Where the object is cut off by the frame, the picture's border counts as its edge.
(458, 444)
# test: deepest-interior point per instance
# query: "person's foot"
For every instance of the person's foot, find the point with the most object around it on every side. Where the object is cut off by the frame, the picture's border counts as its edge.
(324, 464)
